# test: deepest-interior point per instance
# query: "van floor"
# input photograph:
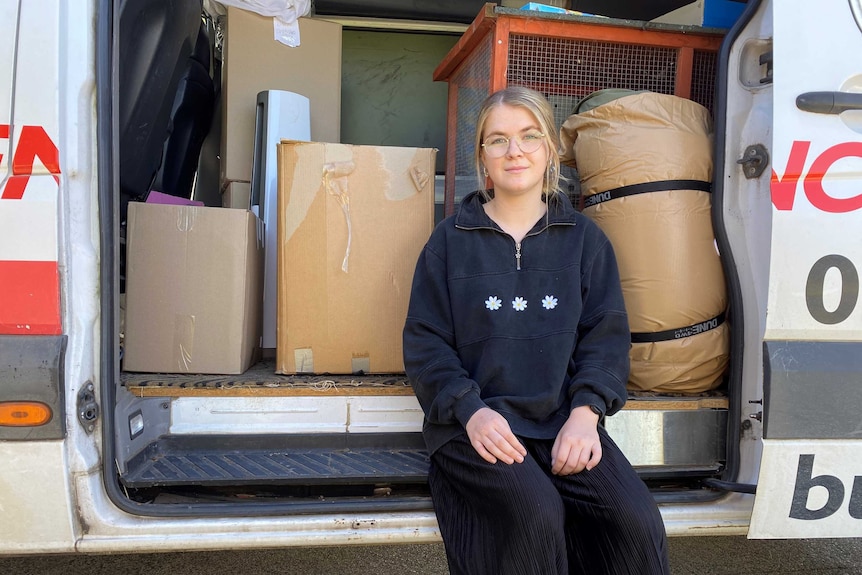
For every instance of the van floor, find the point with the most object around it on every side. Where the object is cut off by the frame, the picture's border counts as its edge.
(261, 380)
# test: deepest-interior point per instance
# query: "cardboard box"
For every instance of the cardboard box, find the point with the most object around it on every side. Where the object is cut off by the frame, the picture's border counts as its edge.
(236, 195)
(707, 13)
(254, 61)
(352, 221)
(193, 289)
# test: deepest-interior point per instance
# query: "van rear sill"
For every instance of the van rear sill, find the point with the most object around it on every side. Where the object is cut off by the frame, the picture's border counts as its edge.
(287, 461)
(663, 403)
(261, 380)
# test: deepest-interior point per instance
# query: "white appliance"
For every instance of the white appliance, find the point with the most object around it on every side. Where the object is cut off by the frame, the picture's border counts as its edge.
(281, 115)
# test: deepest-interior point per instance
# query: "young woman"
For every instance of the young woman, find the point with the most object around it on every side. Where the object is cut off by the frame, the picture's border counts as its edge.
(516, 343)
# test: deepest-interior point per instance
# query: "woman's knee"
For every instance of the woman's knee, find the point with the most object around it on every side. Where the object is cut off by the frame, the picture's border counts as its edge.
(517, 494)
(538, 508)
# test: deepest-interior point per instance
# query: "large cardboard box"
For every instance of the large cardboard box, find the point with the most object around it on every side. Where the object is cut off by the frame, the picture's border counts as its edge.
(352, 221)
(254, 61)
(193, 289)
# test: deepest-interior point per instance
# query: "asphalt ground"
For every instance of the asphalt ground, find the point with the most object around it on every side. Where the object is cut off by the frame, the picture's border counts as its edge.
(689, 556)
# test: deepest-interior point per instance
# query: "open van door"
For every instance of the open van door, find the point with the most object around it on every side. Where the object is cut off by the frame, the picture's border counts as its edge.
(810, 482)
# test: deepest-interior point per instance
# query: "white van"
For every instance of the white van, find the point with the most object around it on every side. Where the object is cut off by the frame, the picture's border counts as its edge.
(94, 461)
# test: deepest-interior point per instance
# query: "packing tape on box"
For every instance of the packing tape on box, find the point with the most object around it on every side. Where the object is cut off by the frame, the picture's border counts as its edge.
(303, 358)
(186, 218)
(184, 341)
(335, 182)
(304, 361)
(360, 364)
(398, 187)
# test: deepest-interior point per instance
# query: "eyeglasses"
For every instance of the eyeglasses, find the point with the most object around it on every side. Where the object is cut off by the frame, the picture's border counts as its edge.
(497, 146)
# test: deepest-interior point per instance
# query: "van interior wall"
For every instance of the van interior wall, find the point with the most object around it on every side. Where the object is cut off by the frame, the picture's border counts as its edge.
(388, 96)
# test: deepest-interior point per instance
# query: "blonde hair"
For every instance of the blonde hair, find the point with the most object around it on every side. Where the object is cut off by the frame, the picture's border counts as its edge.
(535, 103)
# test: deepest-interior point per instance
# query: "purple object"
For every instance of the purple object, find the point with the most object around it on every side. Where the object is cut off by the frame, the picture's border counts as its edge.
(159, 198)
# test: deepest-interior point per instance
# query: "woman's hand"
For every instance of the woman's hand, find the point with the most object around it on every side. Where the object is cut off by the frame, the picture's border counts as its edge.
(577, 446)
(492, 438)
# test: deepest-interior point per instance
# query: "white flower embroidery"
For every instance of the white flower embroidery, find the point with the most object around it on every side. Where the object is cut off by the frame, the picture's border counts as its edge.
(519, 303)
(493, 303)
(550, 302)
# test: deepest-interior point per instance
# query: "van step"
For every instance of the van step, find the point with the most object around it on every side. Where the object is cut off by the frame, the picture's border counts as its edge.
(279, 460)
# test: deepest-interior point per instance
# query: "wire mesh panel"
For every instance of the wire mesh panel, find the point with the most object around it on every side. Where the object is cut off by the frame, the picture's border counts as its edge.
(565, 70)
(473, 86)
(703, 71)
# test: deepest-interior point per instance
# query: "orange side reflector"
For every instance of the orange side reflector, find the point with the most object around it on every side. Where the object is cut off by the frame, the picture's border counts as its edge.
(24, 413)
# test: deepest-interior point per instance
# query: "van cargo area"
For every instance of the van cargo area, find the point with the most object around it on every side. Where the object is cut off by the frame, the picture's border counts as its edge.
(282, 429)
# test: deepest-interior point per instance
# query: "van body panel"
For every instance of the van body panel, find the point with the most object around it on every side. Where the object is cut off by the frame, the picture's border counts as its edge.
(810, 482)
(36, 501)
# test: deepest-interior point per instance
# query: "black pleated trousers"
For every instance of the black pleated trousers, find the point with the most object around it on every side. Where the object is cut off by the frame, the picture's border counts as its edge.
(520, 519)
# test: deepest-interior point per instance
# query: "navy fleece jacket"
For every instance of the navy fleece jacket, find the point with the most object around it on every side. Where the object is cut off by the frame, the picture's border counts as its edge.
(531, 343)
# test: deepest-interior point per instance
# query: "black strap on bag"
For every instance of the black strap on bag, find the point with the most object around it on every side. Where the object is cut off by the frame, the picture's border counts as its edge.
(680, 332)
(646, 187)
(660, 186)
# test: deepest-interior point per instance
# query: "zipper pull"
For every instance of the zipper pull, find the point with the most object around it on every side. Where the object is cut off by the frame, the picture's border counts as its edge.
(518, 255)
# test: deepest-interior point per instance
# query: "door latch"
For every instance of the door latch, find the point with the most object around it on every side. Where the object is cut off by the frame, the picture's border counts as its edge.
(88, 408)
(758, 415)
(754, 160)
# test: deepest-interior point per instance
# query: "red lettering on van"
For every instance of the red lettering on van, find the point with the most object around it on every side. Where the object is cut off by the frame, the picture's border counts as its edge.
(34, 142)
(784, 188)
(814, 180)
(4, 135)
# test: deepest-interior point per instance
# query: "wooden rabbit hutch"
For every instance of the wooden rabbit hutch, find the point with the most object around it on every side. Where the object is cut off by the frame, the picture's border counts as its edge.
(565, 57)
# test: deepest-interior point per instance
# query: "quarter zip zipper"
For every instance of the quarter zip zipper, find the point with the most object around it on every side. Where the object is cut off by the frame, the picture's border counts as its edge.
(535, 233)
(517, 244)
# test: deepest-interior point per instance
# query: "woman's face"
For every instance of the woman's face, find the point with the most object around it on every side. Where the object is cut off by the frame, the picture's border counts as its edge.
(515, 172)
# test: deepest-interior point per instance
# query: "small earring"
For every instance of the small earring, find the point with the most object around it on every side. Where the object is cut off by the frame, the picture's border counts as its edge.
(484, 171)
